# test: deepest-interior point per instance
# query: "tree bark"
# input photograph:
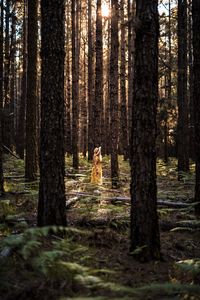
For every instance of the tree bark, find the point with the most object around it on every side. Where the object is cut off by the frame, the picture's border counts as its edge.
(98, 104)
(51, 207)
(196, 74)
(75, 86)
(114, 114)
(144, 218)
(123, 106)
(31, 162)
(20, 136)
(90, 84)
(1, 97)
(183, 135)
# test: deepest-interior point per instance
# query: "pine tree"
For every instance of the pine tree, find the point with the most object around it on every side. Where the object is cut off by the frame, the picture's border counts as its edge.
(144, 219)
(51, 207)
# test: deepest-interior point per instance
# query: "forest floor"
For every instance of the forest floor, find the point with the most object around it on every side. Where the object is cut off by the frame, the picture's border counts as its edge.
(92, 261)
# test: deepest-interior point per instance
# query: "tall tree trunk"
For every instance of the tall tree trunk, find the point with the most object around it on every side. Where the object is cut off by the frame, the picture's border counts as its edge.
(31, 162)
(123, 106)
(20, 136)
(1, 97)
(75, 84)
(191, 86)
(7, 54)
(98, 105)
(84, 106)
(90, 84)
(144, 218)
(107, 97)
(13, 76)
(114, 114)
(68, 131)
(183, 136)
(51, 207)
(131, 47)
(196, 73)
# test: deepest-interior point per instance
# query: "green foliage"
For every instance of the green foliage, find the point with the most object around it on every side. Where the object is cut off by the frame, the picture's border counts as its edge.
(191, 266)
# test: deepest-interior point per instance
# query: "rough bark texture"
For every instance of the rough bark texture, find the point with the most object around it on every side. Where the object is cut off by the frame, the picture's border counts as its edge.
(20, 136)
(98, 103)
(183, 135)
(196, 73)
(123, 106)
(51, 207)
(114, 115)
(90, 84)
(144, 219)
(1, 95)
(75, 92)
(31, 162)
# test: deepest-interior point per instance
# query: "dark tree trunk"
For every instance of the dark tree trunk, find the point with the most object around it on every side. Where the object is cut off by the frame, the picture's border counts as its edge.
(51, 207)
(98, 104)
(7, 54)
(191, 86)
(196, 73)
(183, 136)
(31, 163)
(1, 96)
(75, 84)
(144, 218)
(114, 114)
(123, 106)
(90, 84)
(20, 136)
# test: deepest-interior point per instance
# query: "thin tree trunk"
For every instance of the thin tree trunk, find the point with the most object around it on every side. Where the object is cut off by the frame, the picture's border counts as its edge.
(1, 98)
(20, 138)
(68, 129)
(7, 54)
(98, 105)
(123, 106)
(144, 218)
(75, 83)
(114, 114)
(31, 162)
(183, 136)
(90, 84)
(51, 207)
(196, 73)
(191, 87)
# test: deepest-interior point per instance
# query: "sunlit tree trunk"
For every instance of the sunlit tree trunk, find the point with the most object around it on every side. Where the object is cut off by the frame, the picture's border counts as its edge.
(98, 104)
(123, 106)
(144, 218)
(20, 136)
(196, 73)
(31, 162)
(183, 135)
(114, 114)
(51, 207)
(68, 129)
(75, 88)
(90, 84)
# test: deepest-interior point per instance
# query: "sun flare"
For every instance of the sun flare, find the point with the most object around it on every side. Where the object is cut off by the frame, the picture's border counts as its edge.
(105, 10)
